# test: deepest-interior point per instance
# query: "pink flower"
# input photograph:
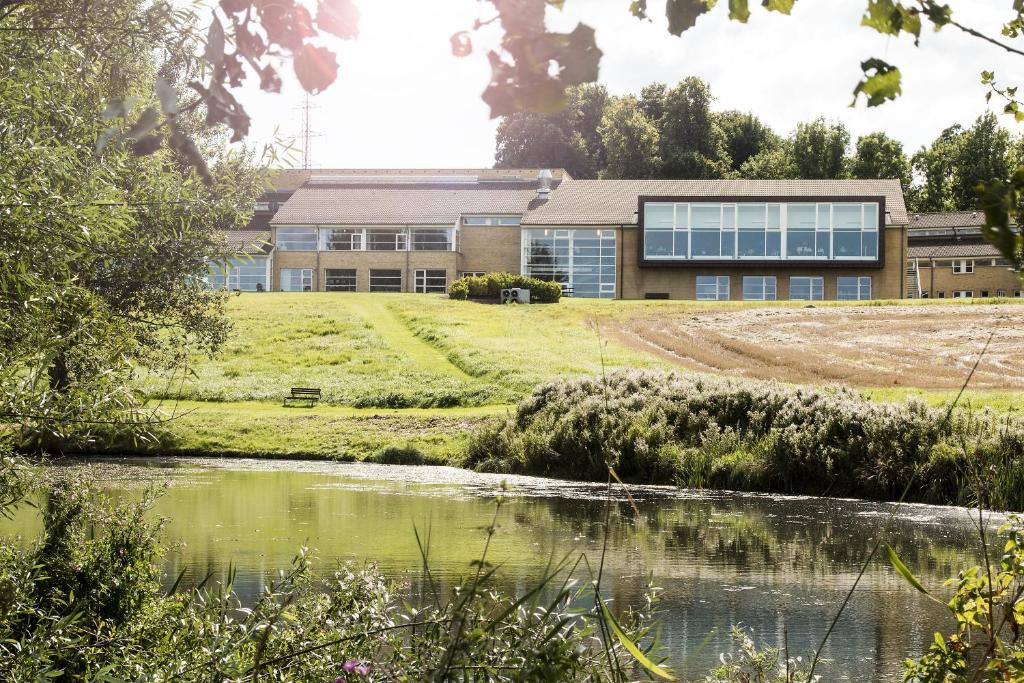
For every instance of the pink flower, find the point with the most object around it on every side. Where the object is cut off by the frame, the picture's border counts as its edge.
(350, 666)
(364, 669)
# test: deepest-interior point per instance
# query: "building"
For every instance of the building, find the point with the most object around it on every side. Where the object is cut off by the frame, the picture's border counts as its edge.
(947, 257)
(250, 269)
(417, 230)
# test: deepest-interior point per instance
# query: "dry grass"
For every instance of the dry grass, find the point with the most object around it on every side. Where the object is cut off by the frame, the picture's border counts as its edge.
(927, 347)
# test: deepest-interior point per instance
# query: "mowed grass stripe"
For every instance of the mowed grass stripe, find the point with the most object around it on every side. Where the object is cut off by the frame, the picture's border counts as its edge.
(377, 312)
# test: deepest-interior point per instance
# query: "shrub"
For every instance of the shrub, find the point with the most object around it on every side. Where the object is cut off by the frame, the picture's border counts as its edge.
(489, 286)
(710, 432)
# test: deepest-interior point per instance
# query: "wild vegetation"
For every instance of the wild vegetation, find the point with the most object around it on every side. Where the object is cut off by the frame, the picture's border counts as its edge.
(755, 436)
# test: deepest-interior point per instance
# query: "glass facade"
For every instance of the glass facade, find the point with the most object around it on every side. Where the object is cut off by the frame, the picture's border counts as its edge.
(296, 239)
(761, 230)
(239, 273)
(582, 261)
(385, 280)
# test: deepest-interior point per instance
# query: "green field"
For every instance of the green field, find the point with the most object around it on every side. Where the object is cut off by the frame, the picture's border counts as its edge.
(403, 370)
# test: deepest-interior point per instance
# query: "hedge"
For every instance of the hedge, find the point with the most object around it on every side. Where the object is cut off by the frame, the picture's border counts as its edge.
(489, 286)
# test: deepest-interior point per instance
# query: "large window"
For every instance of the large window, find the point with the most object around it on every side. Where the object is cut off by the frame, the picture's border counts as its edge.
(386, 280)
(582, 261)
(761, 230)
(759, 288)
(386, 239)
(855, 289)
(806, 288)
(432, 239)
(431, 281)
(296, 280)
(712, 288)
(340, 279)
(296, 239)
(341, 239)
(240, 273)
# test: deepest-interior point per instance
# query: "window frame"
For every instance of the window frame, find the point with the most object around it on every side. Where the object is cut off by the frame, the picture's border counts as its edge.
(390, 288)
(307, 274)
(812, 280)
(717, 282)
(281, 245)
(963, 266)
(963, 293)
(421, 278)
(859, 284)
(764, 287)
(328, 287)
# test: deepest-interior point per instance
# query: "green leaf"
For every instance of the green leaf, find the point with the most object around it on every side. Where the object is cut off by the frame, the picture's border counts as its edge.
(638, 8)
(631, 646)
(888, 17)
(682, 14)
(783, 6)
(897, 563)
(877, 87)
(739, 10)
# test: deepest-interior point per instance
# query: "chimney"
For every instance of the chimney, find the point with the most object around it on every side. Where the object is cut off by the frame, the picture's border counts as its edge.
(544, 186)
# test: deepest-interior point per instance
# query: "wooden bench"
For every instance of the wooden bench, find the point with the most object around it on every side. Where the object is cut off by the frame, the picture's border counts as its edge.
(306, 395)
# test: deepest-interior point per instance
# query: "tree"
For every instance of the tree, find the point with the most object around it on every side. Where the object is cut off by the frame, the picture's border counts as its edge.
(566, 139)
(879, 156)
(745, 135)
(630, 140)
(100, 245)
(819, 149)
(774, 163)
(692, 145)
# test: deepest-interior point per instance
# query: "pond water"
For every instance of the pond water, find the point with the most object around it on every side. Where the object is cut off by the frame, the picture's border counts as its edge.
(774, 564)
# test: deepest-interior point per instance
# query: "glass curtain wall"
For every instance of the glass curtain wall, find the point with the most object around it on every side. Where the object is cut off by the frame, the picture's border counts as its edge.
(582, 261)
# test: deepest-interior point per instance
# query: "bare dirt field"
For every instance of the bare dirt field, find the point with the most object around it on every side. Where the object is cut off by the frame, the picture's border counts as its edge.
(927, 347)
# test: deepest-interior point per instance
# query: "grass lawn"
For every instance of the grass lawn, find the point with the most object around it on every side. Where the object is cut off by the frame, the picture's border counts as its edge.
(401, 370)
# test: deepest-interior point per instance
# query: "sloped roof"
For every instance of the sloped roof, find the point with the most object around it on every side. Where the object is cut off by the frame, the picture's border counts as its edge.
(251, 242)
(947, 219)
(291, 179)
(380, 203)
(983, 250)
(614, 202)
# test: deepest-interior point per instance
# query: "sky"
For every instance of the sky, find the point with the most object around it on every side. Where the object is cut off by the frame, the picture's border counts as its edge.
(402, 100)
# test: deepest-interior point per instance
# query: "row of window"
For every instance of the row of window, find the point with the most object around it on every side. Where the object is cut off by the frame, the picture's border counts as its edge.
(966, 265)
(969, 293)
(366, 239)
(425, 281)
(765, 288)
(820, 231)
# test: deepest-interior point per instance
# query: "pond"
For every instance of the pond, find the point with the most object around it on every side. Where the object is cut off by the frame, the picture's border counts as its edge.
(777, 565)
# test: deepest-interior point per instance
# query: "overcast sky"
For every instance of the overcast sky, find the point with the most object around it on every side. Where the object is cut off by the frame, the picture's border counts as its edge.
(402, 100)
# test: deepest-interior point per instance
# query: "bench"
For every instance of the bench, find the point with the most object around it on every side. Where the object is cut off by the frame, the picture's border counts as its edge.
(305, 395)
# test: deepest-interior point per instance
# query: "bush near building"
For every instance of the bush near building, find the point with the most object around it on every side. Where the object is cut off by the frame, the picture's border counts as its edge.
(489, 286)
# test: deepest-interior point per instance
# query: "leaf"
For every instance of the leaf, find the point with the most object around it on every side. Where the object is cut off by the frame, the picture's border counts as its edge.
(782, 6)
(148, 120)
(877, 87)
(215, 42)
(638, 8)
(316, 68)
(739, 10)
(147, 145)
(631, 646)
(682, 14)
(897, 563)
(168, 98)
(270, 81)
(339, 17)
(462, 46)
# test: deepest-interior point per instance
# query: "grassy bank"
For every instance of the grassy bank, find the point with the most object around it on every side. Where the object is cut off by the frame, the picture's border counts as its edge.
(757, 436)
(260, 429)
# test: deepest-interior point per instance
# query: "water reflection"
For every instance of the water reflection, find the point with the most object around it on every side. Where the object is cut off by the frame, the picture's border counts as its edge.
(770, 563)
